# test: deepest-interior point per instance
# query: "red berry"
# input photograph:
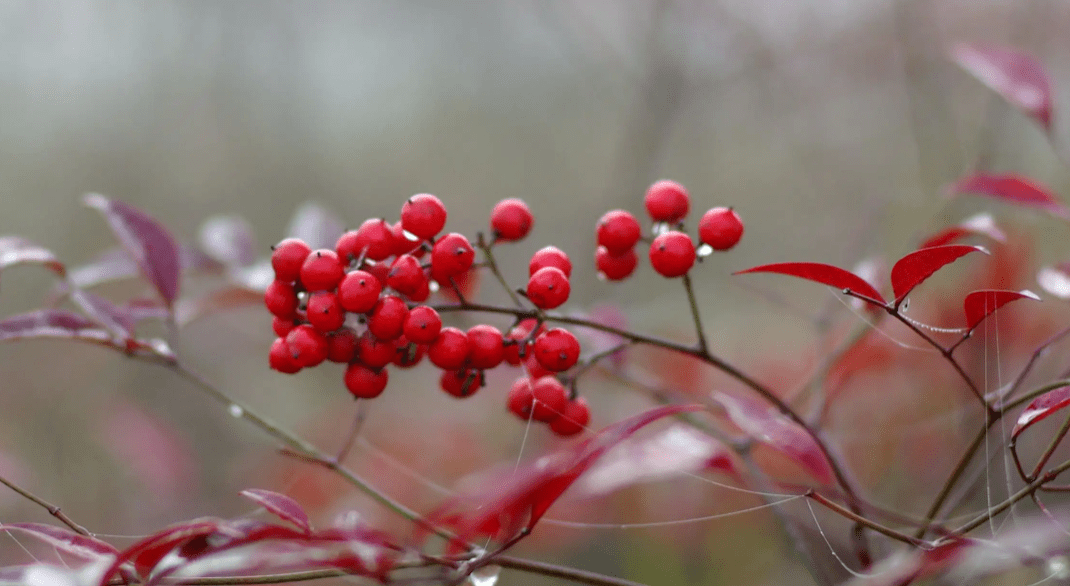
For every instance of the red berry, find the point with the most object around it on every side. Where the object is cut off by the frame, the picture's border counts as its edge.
(322, 271)
(342, 346)
(423, 215)
(721, 228)
(451, 256)
(359, 292)
(672, 254)
(324, 311)
(287, 258)
(308, 345)
(375, 353)
(548, 288)
(574, 418)
(408, 353)
(534, 368)
(520, 399)
(379, 269)
(388, 318)
(406, 276)
(485, 349)
(518, 334)
(420, 295)
(616, 267)
(461, 383)
(374, 238)
(363, 382)
(511, 220)
(449, 351)
(557, 349)
(667, 201)
(280, 358)
(422, 325)
(550, 256)
(550, 396)
(282, 326)
(404, 244)
(281, 299)
(618, 231)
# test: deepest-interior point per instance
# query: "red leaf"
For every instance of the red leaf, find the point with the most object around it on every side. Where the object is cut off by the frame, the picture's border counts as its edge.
(15, 250)
(52, 323)
(66, 540)
(775, 430)
(1016, 76)
(1012, 189)
(280, 505)
(981, 224)
(911, 270)
(148, 552)
(821, 273)
(981, 304)
(516, 500)
(1040, 408)
(146, 241)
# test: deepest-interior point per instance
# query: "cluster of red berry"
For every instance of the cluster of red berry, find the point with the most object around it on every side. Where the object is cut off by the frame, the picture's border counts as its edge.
(672, 252)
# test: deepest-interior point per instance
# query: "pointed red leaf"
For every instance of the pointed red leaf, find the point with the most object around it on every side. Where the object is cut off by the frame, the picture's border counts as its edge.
(774, 429)
(1040, 408)
(821, 273)
(280, 505)
(1016, 76)
(979, 225)
(911, 270)
(146, 241)
(52, 323)
(981, 304)
(66, 540)
(1012, 189)
(15, 250)
(148, 552)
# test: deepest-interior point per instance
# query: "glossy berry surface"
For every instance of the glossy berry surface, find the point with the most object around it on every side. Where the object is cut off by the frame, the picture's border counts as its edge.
(422, 325)
(672, 254)
(520, 399)
(342, 346)
(324, 312)
(308, 345)
(374, 240)
(287, 258)
(557, 349)
(449, 351)
(550, 398)
(618, 231)
(423, 215)
(363, 382)
(388, 318)
(573, 419)
(550, 256)
(322, 271)
(667, 201)
(359, 291)
(721, 228)
(281, 299)
(406, 276)
(280, 358)
(452, 255)
(461, 383)
(548, 288)
(511, 220)
(375, 353)
(616, 267)
(485, 347)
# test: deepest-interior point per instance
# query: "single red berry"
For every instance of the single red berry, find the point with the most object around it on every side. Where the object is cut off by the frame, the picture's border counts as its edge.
(404, 244)
(616, 267)
(672, 254)
(548, 288)
(422, 325)
(518, 334)
(550, 256)
(618, 231)
(423, 215)
(365, 383)
(308, 345)
(449, 351)
(406, 276)
(282, 326)
(721, 228)
(373, 352)
(420, 295)
(550, 397)
(359, 292)
(322, 271)
(667, 201)
(574, 418)
(557, 349)
(374, 238)
(287, 258)
(381, 270)
(520, 399)
(534, 368)
(281, 299)
(388, 318)
(280, 358)
(461, 383)
(511, 220)
(324, 311)
(452, 255)
(408, 353)
(485, 349)
(342, 346)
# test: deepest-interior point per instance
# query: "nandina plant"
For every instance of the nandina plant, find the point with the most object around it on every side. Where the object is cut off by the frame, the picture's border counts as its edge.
(388, 295)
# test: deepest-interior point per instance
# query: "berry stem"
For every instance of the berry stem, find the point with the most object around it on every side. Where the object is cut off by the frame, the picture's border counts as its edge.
(699, 330)
(492, 264)
(52, 509)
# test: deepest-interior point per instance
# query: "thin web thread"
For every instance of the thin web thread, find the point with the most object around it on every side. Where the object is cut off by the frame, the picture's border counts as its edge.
(839, 297)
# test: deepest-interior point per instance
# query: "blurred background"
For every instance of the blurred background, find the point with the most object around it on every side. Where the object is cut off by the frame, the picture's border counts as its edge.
(831, 126)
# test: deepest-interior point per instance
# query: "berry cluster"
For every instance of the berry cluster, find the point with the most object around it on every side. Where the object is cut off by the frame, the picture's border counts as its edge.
(363, 304)
(672, 251)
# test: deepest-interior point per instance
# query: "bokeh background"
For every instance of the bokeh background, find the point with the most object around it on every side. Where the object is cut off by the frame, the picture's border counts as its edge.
(831, 126)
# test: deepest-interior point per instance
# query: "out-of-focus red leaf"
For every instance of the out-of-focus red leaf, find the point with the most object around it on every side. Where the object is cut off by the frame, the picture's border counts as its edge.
(315, 225)
(52, 323)
(15, 250)
(189, 310)
(677, 450)
(913, 565)
(1040, 408)
(517, 500)
(280, 505)
(774, 429)
(1012, 189)
(821, 273)
(1016, 76)
(228, 240)
(980, 304)
(148, 552)
(911, 270)
(156, 451)
(1055, 280)
(66, 540)
(115, 265)
(147, 242)
(979, 225)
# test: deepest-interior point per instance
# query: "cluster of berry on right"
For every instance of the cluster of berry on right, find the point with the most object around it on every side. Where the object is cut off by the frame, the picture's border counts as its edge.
(672, 251)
